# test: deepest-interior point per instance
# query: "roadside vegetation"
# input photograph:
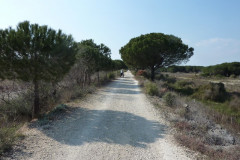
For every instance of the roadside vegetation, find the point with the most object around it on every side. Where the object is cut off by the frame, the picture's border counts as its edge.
(204, 111)
(41, 69)
(206, 115)
(231, 70)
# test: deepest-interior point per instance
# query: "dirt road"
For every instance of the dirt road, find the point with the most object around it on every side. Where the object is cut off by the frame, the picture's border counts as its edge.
(116, 122)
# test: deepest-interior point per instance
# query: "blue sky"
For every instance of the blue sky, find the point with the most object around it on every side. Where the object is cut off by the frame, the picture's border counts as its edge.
(211, 27)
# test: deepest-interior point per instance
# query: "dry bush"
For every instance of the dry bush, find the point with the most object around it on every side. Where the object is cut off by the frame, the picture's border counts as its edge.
(234, 104)
(196, 145)
(17, 108)
(111, 76)
(212, 91)
(141, 73)
(192, 143)
(183, 126)
(8, 136)
(169, 99)
(141, 81)
(162, 91)
(204, 119)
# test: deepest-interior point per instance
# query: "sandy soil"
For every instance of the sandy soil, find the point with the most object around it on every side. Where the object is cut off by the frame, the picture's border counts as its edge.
(116, 122)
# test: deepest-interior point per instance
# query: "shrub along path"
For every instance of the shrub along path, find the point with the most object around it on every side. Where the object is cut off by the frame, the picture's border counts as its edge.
(116, 122)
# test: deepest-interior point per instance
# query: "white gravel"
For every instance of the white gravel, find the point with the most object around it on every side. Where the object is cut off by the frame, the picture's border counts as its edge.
(116, 122)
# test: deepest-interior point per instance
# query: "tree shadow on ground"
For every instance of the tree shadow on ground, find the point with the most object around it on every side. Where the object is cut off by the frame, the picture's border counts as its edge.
(123, 91)
(123, 84)
(113, 127)
(126, 86)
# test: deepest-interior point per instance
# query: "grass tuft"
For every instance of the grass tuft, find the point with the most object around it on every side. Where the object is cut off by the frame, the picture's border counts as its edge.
(169, 99)
(151, 88)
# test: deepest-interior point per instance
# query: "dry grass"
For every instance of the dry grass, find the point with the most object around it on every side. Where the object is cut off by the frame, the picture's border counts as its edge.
(16, 109)
(196, 121)
(234, 104)
(197, 145)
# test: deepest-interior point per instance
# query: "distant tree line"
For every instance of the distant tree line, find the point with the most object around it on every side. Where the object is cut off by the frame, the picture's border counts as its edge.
(224, 69)
(35, 53)
(185, 69)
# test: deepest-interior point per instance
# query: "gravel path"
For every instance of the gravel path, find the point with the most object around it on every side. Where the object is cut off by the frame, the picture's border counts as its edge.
(116, 122)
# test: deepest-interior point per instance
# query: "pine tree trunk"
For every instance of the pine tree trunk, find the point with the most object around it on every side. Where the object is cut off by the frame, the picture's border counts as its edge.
(152, 73)
(85, 78)
(98, 77)
(35, 110)
(89, 79)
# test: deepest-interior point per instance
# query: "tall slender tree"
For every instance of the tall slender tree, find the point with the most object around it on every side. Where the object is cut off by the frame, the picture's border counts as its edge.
(98, 57)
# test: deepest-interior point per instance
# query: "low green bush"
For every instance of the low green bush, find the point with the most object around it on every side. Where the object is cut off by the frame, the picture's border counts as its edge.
(160, 77)
(111, 75)
(18, 107)
(169, 99)
(212, 91)
(151, 88)
(182, 84)
(182, 87)
(8, 136)
(58, 110)
(233, 76)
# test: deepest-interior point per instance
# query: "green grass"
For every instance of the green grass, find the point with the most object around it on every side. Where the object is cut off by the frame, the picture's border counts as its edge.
(182, 87)
(8, 136)
(111, 75)
(224, 109)
(212, 95)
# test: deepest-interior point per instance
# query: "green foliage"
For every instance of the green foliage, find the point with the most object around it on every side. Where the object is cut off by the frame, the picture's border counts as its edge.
(119, 64)
(212, 91)
(228, 108)
(8, 136)
(167, 78)
(17, 107)
(111, 75)
(183, 87)
(151, 88)
(155, 50)
(185, 69)
(34, 53)
(182, 83)
(96, 57)
(224, 69)
(169, 99)
(59, 109)
(233, 76)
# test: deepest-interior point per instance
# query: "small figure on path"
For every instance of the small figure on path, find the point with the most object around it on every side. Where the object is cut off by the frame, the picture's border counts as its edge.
(121, 73)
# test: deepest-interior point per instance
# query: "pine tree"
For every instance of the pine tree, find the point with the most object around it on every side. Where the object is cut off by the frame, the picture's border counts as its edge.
(35, 53)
